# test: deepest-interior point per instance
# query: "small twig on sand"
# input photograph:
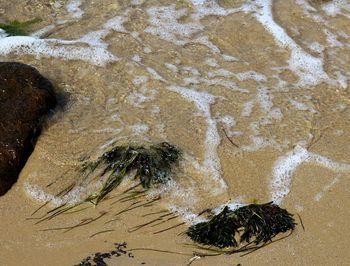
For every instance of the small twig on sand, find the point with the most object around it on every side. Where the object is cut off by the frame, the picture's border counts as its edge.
(229, 139)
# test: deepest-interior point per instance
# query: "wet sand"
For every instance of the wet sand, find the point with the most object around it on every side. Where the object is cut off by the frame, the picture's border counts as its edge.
(194, 75)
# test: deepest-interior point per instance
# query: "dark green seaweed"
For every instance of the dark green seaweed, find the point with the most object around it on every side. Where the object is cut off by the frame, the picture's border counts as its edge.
(252, 224)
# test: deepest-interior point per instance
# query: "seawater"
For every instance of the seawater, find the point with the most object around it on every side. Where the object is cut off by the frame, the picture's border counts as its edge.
(195, 74)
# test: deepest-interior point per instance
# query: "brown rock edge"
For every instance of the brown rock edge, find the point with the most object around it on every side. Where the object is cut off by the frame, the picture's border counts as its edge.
(25, 98)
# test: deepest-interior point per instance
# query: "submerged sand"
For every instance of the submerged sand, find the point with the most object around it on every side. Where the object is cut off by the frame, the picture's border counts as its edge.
(274, 80)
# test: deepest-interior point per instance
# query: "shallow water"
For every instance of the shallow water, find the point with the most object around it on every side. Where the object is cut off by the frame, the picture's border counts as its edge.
(255, 93)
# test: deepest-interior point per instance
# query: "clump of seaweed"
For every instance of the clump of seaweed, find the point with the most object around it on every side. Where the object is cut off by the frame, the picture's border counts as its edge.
(18, 28)
(151, 164)
(251, 225)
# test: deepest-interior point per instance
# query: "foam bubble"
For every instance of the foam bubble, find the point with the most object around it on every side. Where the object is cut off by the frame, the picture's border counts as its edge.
(211, 62)
(136, 58)
(229, 58)
(139, 129)
(3, 33)
(73, 7)
(247, 108)
(199, 2)
(116, 24)
(336, 7)
(220, 73)
(137, 2)
(228, 120)
(302, 106)
(137, 99)
(171, 67)
(138, 80)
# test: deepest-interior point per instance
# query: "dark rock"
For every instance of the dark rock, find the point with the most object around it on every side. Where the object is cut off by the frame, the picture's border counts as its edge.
(25, 98)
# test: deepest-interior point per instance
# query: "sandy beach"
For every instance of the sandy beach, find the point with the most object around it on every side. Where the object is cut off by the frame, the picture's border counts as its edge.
(254, 93)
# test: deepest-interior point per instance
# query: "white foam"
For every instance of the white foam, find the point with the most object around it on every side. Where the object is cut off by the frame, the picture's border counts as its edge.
(287, 164)
(108, 144)
(147, 50)
(137, 99)
(117, 24)
(94, 39)
(211, 8)
(137, 2)
(332, 39)
(319, 195)
(232, 205)
(283, 170)
(229, 58)
(136, 58)
(197, 79)
(302, 106)
(224, 83)
(108, 130)
(138, 80)
(220, 73)
(264, 97)
(72, 197)
(307, 67)
(228, 120)
(211, 62)
(343, 79)
(247, 108)
(155, 74)
(68, 50)
(191, 81)
(258, 143)
(164, 23)
(211, 165)
(316, 47)
(139, 129)
(41, 32)
(171, 67)
(73, 7)
(3, 33)
(329, 164)
(193, 71)
(336, 7)
(251, 75)
(186, 214)
(198, 2)
(204, 40)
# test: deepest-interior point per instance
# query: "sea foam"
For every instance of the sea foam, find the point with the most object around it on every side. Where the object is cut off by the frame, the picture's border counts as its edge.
(307, 67)
(286, 165)
(211, 165)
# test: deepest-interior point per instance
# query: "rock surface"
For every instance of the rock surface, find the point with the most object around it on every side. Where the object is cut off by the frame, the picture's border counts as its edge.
(25, 98)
